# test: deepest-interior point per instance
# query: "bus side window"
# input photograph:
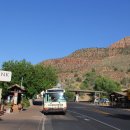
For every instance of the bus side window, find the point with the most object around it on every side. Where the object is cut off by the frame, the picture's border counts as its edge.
(48, 98)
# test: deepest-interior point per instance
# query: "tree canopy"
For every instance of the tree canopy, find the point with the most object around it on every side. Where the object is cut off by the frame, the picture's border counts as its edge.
(106, 84)
(89, 80)
(34, 78)
(100, 83)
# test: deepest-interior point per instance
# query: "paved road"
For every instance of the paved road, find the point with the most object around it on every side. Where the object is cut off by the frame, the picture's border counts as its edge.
(79, 116)
(82, 116)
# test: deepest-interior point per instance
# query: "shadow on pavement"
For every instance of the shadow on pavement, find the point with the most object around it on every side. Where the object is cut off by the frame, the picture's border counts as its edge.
(121, 116)
(1, 119)
(24, 109)
(53, 113)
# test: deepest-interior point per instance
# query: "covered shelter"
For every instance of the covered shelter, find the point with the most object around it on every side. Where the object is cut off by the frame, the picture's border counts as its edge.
(91, 94)
(15, 94)
(119, 99)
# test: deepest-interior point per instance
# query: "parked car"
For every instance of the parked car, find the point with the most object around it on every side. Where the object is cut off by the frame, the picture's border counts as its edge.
(96, 101)
(104, 100)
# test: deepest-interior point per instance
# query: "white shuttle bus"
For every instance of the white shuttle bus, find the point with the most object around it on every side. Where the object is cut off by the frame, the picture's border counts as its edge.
(54, 101)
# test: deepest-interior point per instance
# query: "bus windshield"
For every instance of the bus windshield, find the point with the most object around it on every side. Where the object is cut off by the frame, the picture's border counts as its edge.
(54, 97)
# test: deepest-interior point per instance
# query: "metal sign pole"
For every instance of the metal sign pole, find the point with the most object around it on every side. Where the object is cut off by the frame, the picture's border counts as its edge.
(6, 77)
(0, 94)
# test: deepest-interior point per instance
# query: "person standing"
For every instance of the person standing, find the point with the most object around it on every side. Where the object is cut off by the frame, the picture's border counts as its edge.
(77, 98)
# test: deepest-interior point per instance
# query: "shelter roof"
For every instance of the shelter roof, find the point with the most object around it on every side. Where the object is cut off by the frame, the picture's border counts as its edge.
(86, 91)
(17, 86)
(120, 93)
(126, 90)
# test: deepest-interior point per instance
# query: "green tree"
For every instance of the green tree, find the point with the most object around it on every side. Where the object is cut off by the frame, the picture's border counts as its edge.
(33, 78)
(19, 69)
(107, 85)
(45, 77)
(89, 80)
(69, 95)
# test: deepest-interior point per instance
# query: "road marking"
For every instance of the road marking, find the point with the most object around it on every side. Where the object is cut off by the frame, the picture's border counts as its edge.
(86, 119)
(83, 118)
(102, 112)
(80, 116)
(96, 120)
(43, 123)
(39, 122)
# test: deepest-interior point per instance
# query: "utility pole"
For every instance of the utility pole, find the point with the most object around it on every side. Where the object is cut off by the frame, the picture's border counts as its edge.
(21, 81)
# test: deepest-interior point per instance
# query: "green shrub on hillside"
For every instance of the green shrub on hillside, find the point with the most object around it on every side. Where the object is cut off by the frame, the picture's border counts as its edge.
(99, 83)
(89, 81)
(125, 81)
(106, 84)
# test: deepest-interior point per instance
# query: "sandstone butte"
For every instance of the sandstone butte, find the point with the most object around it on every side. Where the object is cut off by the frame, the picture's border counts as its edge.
(112, 61)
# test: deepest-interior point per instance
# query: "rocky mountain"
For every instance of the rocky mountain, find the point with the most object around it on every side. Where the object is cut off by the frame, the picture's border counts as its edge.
(123, 43)
(113, 61)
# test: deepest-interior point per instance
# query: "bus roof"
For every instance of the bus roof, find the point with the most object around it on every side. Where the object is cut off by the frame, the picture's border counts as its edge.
(55, 90)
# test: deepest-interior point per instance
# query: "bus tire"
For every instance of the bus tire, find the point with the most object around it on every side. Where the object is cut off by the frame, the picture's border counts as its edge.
(64, 113)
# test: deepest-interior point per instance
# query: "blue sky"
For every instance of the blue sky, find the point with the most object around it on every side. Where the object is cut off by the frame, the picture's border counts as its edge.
(37, 30)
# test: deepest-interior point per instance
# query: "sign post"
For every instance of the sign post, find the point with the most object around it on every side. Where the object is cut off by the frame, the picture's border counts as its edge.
(4, 76)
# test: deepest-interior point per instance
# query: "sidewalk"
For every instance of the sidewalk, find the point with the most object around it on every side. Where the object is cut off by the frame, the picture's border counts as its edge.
(30, 119)
(32, 111)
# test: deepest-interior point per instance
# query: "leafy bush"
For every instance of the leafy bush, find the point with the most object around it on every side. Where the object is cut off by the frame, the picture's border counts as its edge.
(107, 85)
(89, 80)
(78, 79)
(69, 95)
(25, 102)
(128, 70)
(115, 68)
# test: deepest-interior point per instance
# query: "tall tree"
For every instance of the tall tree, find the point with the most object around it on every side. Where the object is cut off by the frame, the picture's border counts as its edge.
(107, 85)
(33, 78)
(100, 83)
(89, 80)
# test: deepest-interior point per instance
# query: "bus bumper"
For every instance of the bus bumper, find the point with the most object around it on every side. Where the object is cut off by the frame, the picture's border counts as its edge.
(53, 110)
